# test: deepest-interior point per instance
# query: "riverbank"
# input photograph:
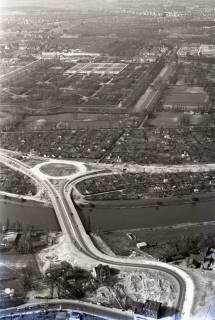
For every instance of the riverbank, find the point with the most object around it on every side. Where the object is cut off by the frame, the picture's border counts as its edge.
(131, 214)
(163, 242)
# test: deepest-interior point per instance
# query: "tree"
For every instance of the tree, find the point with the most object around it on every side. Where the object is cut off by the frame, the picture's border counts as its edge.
(27, 278)
(25, 245)
(185, 120)
(16, 226)
(7, 225)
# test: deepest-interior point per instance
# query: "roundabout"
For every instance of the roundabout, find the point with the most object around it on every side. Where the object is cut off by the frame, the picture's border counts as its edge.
(60, 169)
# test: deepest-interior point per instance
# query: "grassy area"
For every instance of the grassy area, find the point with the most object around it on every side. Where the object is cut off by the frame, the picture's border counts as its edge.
(58, 169)
(164, 243)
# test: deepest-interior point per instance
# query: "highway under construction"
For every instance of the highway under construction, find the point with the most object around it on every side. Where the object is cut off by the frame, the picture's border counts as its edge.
(81, 244)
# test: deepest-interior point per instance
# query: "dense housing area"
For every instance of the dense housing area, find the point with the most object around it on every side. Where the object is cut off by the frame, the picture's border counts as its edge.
(14, 182)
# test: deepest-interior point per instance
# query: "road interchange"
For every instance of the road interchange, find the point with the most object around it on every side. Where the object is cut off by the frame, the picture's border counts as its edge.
(80, 241)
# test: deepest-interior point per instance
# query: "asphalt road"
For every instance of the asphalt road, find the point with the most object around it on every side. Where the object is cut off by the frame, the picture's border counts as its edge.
(75, 306)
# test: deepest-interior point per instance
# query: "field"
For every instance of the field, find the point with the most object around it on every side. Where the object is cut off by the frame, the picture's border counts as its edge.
(173, 119)
(5, 118)
(58, 169)
(165, 243)
(75, 120)
(185, 96)
(164, 119)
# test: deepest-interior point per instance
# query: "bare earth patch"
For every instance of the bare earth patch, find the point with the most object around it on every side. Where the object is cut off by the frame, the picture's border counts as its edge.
(139, 286)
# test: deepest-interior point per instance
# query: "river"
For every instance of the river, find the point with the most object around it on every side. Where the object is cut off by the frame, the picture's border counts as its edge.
(111, 215)
(115, 215)
(28, 214)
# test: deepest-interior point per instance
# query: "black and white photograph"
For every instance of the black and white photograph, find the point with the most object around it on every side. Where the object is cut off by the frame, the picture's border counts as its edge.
(107, 159)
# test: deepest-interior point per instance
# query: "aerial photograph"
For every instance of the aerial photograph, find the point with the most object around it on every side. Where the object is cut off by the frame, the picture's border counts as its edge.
(107, 159)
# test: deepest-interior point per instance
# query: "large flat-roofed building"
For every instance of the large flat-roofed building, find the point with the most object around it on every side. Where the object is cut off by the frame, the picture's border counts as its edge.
(186, 98)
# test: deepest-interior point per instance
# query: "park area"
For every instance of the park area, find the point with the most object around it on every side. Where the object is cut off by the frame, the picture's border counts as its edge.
(104, 84)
